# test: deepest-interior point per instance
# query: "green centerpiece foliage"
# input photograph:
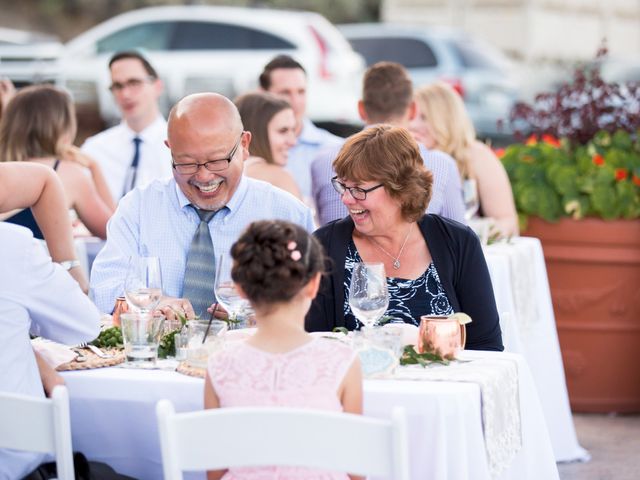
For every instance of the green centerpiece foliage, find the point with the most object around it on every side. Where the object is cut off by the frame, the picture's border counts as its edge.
(582, 154)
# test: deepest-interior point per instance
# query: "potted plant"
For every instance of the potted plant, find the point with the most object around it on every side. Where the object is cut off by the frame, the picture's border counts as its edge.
(576, 183)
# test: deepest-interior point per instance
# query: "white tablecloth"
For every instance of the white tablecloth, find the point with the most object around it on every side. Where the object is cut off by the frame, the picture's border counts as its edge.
(113, 420)
(521, 288)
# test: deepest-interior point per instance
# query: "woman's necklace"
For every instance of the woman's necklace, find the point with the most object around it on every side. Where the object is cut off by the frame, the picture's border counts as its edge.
(396, 259)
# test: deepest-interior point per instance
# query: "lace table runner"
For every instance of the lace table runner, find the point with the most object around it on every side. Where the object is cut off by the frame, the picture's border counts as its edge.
(498, 381)
(521, 257)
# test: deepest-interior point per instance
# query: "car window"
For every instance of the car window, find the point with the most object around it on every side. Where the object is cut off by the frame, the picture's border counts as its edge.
(409, 52)
(478, 55)
(147, 36)
(220, 36)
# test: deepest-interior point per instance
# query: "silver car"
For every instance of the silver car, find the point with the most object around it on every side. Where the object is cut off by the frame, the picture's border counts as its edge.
(222, 49)
(479, 72)
(28, 57)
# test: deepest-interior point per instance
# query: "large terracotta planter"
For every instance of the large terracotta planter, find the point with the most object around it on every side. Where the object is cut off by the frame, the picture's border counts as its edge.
(594, 274)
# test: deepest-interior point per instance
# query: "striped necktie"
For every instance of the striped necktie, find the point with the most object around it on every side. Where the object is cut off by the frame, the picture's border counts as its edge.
(130, 179)
(200, 271)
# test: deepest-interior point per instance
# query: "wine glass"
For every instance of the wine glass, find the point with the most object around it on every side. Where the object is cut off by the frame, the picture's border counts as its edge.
(470, 198)
(368, 294)
(227, 294)
(143, 284)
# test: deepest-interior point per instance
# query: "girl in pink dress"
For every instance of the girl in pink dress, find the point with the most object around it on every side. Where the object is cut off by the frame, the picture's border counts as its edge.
(277, 265)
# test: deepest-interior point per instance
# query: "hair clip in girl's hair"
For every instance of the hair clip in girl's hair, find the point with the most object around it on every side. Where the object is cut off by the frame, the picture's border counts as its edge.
(295, 254)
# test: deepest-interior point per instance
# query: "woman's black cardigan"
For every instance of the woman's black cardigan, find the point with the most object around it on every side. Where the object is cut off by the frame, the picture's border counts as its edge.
(458, 257)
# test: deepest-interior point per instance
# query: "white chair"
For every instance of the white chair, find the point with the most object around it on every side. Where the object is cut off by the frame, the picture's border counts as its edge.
(243, 437)
(39, 425)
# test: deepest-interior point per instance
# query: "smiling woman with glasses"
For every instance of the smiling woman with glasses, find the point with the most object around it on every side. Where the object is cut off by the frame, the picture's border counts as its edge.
(434, 266)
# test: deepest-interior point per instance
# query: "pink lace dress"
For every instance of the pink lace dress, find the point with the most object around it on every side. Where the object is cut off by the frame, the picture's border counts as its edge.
(307, 376)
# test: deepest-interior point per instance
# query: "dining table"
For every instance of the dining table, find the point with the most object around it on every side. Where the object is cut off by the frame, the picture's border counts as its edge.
(452, 433)
(523, 299)
(521, 289)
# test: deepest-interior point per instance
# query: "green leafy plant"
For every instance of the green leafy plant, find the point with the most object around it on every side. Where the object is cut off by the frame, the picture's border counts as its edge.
(582, 156)
(109, 338)
(411, 357)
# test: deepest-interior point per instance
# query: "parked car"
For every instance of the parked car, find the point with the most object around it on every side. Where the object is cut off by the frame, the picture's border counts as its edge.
(220, 49)
(479, 72)
(28, 57)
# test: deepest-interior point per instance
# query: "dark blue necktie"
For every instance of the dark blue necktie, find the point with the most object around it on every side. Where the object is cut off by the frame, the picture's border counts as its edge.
(130, 179)
(200, 270)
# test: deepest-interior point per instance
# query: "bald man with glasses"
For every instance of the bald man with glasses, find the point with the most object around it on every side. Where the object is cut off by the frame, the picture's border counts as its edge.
(132, 153)
(192, 219)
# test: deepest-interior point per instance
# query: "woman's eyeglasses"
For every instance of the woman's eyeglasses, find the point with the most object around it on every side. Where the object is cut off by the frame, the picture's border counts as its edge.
(356, 192)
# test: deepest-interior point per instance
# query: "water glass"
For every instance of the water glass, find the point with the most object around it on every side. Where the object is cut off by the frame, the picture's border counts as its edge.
(143, 283)
(238, 308)
(141, 336)
(200, 347)
(368, 294)
(388, 337)
(470, 198)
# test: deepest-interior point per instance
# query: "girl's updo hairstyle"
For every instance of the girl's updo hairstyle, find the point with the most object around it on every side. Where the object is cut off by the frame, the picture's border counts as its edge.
(273, 260)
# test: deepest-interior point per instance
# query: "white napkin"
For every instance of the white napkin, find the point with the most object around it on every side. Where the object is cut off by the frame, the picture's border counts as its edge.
(55, 354)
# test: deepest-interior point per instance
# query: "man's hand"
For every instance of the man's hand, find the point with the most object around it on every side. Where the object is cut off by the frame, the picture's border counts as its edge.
(171, 308)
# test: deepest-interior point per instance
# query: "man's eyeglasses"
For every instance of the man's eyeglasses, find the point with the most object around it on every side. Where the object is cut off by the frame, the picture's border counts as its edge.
(356, 192)
(132, 83)
(211, 165)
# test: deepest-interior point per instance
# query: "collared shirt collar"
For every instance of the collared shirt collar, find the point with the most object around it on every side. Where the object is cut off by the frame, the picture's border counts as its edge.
(155, 130)
(310, 133)
(233, 203)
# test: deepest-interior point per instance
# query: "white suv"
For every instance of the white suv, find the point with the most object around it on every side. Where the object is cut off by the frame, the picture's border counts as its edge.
(220, 49)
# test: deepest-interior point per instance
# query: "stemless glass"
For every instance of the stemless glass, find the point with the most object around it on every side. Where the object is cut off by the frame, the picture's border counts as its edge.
(228, 296)
(470, 197)
(368, 294)
(143, 284)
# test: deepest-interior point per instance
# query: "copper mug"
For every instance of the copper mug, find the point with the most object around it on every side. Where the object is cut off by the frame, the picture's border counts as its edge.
(121, 306)
(443, 336)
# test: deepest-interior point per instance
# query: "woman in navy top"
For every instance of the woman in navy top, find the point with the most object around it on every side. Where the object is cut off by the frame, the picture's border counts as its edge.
(434, 266)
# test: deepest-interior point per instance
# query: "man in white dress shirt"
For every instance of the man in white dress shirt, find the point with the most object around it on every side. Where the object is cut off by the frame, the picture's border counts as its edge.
(132, 153)
(387, 97)
(286, 78)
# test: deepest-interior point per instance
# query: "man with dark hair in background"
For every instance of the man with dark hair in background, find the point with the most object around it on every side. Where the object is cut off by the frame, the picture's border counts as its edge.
(132, 153)
(286, 78)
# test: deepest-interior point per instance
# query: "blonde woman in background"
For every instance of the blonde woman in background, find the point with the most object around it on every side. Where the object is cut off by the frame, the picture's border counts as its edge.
(272, 124)
(39, 125)
(442, 123)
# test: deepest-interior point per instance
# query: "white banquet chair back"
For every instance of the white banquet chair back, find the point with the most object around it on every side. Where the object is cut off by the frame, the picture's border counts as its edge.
(39, 425)
(262, 436)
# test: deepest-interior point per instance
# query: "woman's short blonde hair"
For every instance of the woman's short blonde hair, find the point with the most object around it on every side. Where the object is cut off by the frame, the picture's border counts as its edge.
(451, 126)
(391, 156)
(34, 122)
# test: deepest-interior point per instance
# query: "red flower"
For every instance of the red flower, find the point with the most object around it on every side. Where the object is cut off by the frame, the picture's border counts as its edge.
(598, 160)
(635, 179)
(621, 174)
(532, 140)
(499, 152)
(550, 140)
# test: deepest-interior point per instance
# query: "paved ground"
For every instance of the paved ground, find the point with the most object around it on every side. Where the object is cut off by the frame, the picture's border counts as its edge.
(614, 444)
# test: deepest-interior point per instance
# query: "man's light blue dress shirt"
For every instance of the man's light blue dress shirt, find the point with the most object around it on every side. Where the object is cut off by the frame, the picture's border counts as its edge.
(156, 220)
(309, 143)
